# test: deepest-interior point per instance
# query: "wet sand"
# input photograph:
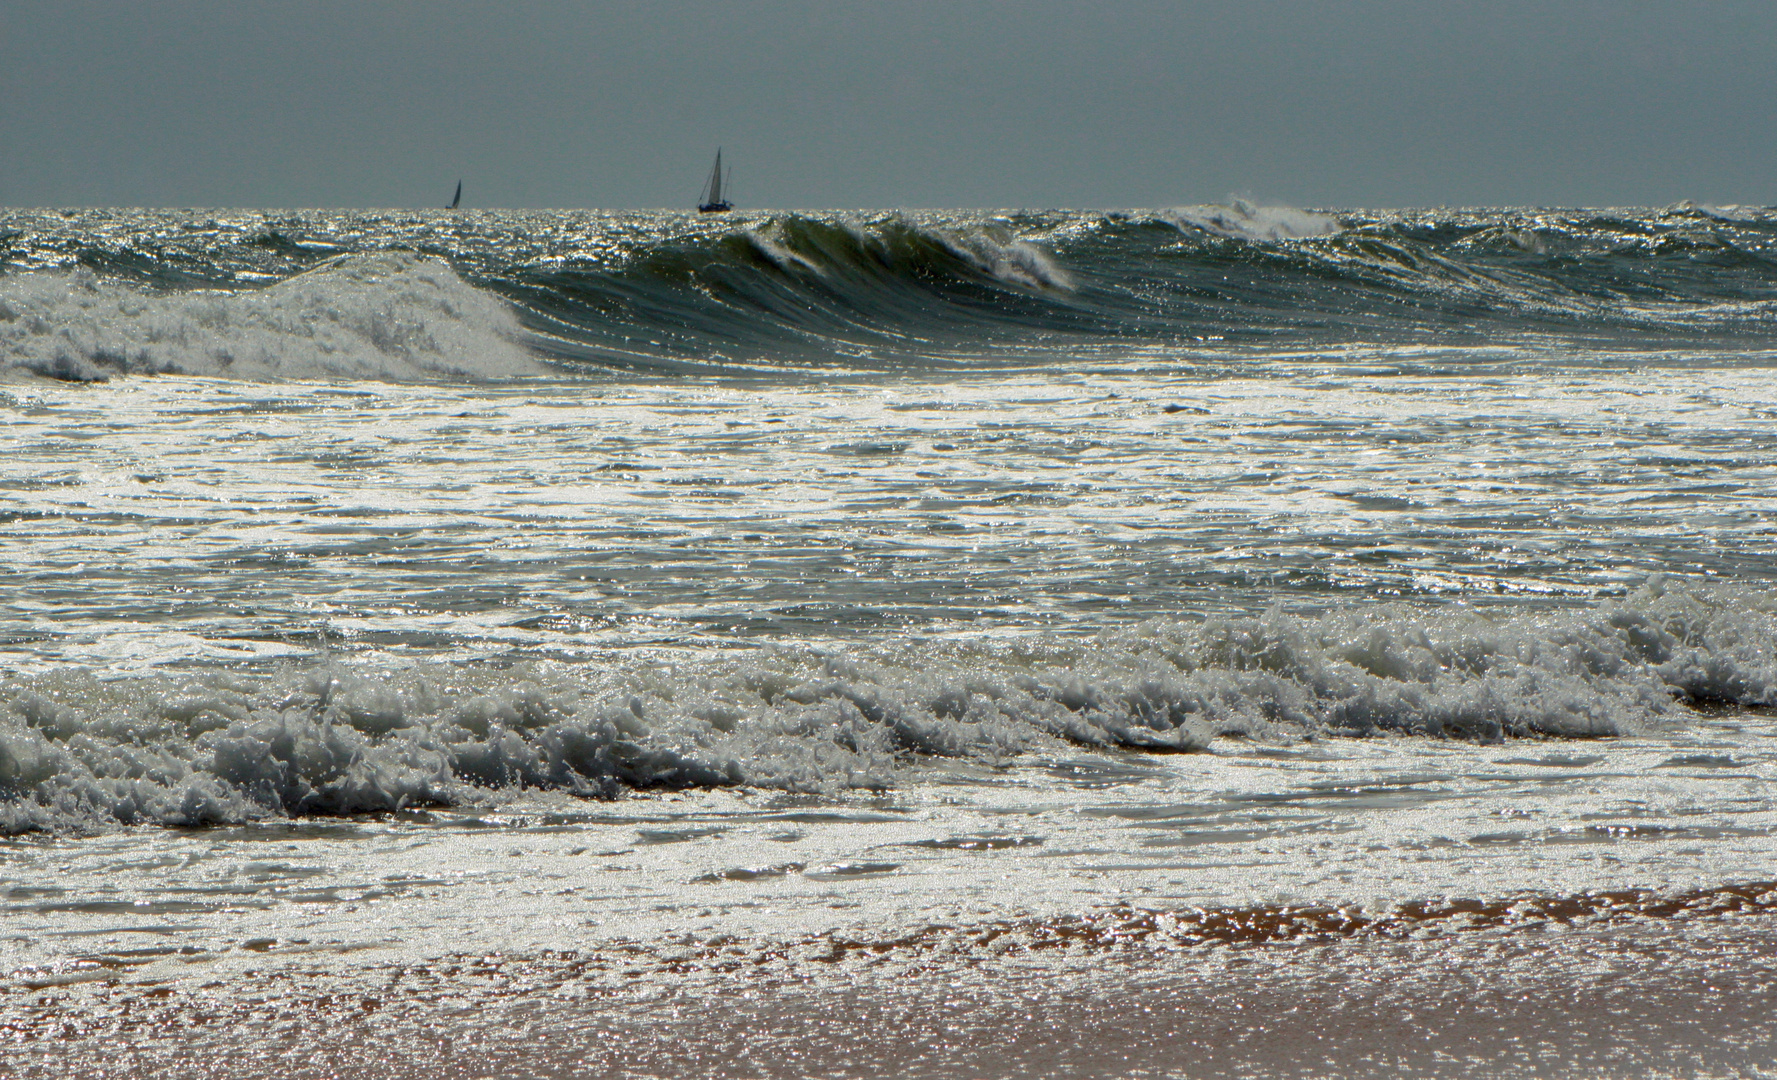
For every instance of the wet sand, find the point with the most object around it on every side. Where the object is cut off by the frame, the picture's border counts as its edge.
(1676, 991)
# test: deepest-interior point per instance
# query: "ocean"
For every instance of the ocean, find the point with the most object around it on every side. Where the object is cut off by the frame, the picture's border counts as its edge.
(1223, 640)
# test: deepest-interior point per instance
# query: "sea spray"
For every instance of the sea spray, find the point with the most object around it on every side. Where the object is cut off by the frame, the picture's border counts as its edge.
(386, 316)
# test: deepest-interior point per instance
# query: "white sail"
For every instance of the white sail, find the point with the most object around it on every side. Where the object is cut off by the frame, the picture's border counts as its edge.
(711, 199)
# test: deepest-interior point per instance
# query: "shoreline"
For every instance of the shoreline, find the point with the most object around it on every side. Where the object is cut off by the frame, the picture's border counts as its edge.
(1686, 994)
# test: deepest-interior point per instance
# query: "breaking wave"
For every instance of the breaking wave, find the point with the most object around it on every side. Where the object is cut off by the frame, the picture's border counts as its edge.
(1244, 221)
(389, 316)
(78, 752)
(480, 295)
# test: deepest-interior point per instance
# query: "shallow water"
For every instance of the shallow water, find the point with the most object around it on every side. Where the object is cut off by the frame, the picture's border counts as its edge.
(388, 590)
(179, 520)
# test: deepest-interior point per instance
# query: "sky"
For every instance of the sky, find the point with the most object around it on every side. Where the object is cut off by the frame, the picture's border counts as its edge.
(892, 103)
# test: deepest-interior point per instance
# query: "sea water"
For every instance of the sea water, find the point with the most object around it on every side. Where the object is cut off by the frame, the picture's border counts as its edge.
(1159, 622)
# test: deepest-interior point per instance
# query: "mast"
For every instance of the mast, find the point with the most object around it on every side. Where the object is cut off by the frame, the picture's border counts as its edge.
(711, 201)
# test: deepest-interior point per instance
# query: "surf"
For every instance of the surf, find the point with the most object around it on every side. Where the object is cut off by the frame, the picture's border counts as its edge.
(390, 316)
(497, 293)
(336, 737)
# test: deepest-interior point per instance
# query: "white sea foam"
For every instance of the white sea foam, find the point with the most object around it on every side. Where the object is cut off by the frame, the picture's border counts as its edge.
(989, 249)
(391, 316)
(1243, 220)
(1729, 212)
(1000, 255)
(769, 242)
(77, 751)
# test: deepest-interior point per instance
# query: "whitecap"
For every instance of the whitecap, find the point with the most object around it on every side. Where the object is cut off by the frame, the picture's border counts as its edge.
(77, 751)
(392, 316)
(1242, 220)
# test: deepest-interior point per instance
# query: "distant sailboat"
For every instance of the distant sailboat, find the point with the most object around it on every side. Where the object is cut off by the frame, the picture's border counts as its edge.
(457, 199)
(711, 201)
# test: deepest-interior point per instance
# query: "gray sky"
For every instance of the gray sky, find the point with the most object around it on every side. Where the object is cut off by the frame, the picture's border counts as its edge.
(886, 104)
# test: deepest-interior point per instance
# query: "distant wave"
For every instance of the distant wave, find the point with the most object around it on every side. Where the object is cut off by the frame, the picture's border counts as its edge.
(796, 291)
(790, 291)
(899, 246)
(388, 316)
(1242, 220)
(77, 752)
(485, 295)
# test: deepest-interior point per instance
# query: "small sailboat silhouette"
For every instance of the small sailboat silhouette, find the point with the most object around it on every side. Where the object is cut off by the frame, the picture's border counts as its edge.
(457, 199)
(711, 201)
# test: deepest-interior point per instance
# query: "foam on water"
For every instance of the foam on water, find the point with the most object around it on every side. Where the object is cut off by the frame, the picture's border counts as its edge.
(987, 249)
(1244, 221)
(860, 290)
(390, 315)
(1092, 580)
(80, 752)
(1009, 260)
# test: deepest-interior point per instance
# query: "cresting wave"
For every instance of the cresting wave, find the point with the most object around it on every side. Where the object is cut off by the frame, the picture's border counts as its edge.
(389, 316)
(1242, 220)
(366, 294)
(77, 752)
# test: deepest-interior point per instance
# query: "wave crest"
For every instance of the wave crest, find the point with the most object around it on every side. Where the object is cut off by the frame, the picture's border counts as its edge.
(78, 752)
(391, 315)
(899, 248)
(862, 291)
(1242, 220)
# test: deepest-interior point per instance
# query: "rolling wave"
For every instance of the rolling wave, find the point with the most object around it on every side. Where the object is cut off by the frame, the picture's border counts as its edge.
(1244, 221)
(389, 316)
(80, 752)
(431, 295)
